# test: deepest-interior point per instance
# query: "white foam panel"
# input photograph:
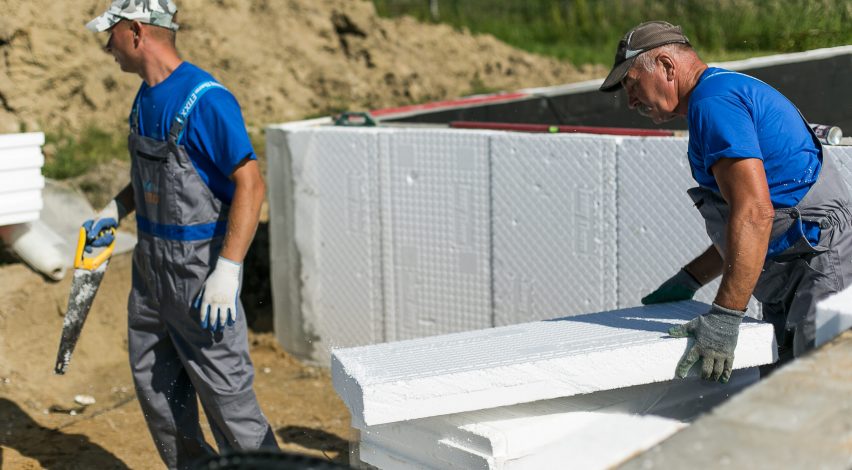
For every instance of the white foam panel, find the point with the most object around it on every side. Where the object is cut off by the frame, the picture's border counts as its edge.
(27, 139)
(842, 157)
(599, 429)
(338, 233)
(659, 229)
(523, 363)
(833, 316)
(554, 226)
(436, 242)
(21, 180)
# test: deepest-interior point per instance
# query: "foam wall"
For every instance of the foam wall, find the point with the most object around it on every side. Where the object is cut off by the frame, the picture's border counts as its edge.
(389, 233)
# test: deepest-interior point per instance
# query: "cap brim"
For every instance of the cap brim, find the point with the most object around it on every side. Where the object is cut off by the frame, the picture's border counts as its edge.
(102, 23)
(616, 75)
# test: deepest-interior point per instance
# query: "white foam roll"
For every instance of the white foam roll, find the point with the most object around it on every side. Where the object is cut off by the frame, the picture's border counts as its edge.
(37, 245)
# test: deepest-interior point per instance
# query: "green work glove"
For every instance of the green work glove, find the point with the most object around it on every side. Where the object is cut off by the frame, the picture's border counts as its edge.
(715, 335)
(681, 286)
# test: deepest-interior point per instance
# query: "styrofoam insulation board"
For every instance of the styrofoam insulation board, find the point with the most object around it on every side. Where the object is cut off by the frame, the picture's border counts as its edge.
(18, 217)
(501, 366)
(436, 241)
(21, 201)
(599, 440)
(14, 158)
(598, 428)
(337, 236)
(659, 229)
(833, 316)
(27, 139)
(20, 180)
(553, 226)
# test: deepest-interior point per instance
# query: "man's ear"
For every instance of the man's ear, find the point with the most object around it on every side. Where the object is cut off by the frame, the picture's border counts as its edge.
(136, 29)
(668, 65)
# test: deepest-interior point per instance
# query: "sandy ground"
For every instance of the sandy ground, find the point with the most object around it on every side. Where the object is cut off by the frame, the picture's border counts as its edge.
(37, 429)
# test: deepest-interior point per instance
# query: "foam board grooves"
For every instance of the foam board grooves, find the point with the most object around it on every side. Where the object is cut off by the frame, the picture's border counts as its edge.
(339, 223)
(554, 226)
(436, 223)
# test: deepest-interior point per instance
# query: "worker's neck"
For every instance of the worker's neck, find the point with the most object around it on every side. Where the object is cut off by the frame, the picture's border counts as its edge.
(159, 66)
(689, 79)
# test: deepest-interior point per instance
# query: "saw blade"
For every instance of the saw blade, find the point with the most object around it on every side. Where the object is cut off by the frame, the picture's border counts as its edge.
(84, 286)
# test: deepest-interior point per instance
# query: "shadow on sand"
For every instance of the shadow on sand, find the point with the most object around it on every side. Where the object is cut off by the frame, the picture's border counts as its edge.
(53, 449)
(316, 439)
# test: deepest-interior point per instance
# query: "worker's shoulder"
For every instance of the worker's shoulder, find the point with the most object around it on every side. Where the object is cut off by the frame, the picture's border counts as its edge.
(723, 83)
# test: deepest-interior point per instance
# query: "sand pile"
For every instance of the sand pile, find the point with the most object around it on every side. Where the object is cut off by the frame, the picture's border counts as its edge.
(283, 59)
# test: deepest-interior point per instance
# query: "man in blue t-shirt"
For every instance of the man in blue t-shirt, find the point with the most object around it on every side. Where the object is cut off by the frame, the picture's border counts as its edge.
(197, 190)
(774, 206)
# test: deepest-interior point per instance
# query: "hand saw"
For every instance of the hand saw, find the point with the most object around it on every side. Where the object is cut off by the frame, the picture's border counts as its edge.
(88, 274)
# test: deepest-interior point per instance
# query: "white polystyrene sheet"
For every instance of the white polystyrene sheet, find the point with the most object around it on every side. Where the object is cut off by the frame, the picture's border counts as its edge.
(588, 440)
(14, 158)
(20, 180)
(13, 218)
(842, 158)
(599, 428)
(436, 232)
(659, 229)
(522, 363)
(21, 201)
(554, 226)
(337, 233)
(27, 139)
(833, 316)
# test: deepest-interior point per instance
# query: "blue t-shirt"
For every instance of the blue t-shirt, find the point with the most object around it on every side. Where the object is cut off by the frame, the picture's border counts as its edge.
(215, 136)
(732, 115)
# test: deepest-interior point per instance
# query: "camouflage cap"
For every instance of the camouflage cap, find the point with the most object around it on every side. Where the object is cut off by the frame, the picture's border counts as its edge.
(154, 12)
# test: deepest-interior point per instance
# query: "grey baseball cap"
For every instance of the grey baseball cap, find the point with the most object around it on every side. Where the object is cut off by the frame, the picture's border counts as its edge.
(642, 38)
(153, 12)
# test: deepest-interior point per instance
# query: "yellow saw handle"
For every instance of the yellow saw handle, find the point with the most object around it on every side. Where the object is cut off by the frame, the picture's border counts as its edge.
(90, 264)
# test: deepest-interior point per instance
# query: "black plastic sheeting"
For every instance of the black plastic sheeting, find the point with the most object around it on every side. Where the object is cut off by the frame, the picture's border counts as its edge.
(821, 88)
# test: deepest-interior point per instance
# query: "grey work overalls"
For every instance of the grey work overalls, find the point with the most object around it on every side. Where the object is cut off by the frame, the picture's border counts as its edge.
(181, 227)
(794, 280)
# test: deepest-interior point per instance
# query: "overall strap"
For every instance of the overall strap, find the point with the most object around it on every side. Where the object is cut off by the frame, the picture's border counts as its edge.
(135, 122)
(179, 123)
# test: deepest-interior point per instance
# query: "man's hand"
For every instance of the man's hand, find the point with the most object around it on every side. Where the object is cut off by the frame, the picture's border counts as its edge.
(681, 286)
(217, 302)
(98, 230)
(715, 335)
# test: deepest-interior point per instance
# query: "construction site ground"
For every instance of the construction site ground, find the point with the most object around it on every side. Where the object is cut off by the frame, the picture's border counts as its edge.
(43, 427)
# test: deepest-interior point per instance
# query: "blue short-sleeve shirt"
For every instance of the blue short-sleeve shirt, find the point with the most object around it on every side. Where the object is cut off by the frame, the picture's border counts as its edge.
(215, 136)
(732, 115)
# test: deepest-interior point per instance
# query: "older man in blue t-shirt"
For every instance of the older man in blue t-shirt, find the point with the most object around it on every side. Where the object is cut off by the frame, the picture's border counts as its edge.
(774, 206)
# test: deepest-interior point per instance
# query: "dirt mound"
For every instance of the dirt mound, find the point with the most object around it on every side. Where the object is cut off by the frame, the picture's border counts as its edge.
(283, 60)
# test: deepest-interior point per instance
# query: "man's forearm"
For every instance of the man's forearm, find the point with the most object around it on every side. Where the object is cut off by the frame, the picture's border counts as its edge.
(706, 267)
(125, 198)
(244, 214)
(747, 239)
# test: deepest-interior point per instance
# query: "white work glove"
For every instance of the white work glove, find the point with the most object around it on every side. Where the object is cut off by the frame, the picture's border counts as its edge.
(217, 301)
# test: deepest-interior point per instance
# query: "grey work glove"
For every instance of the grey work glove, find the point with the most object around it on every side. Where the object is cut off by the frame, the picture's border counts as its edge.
(681, 286)
(715, 335)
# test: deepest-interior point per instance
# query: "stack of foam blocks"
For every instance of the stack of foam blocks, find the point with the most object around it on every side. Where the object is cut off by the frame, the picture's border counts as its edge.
(587, 391)
(21, 181)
